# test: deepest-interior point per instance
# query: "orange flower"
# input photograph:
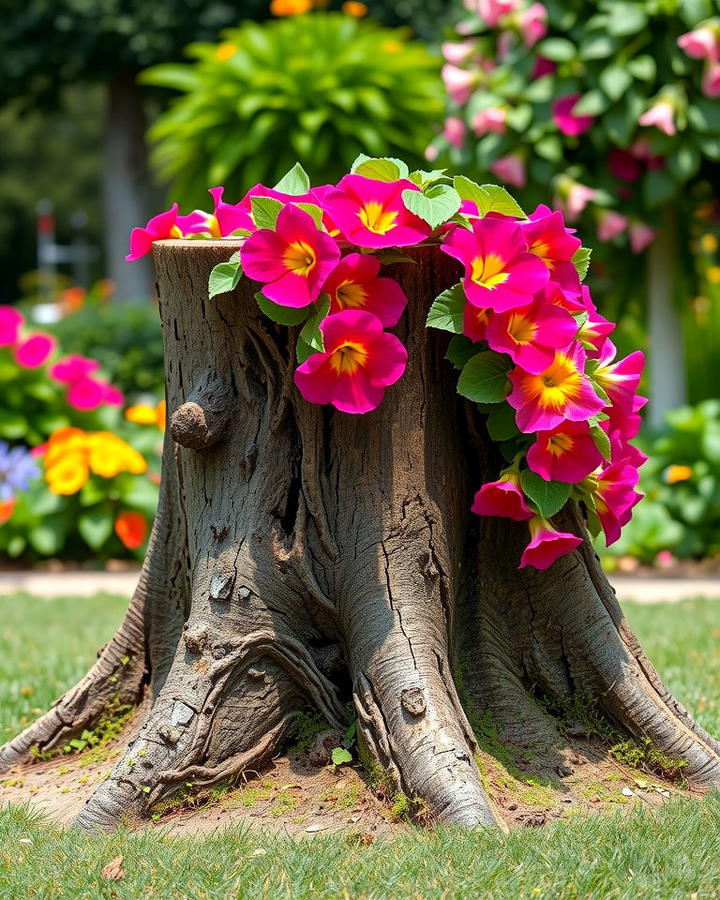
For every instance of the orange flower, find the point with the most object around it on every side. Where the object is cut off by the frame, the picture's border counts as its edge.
(6, 510)
(131, 528)
(225, 52)
(290, 7)
(353, 8)
(673, 474)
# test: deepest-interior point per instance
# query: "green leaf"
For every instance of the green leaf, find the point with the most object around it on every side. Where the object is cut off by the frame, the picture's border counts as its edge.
(643, 67)
(615, 80)
(303, 350)
(601, 440)
(48, 537)
(95, 526)
(581, 261)
(311, 334)
(501, 423)
(295, 182)
(340, 755)
(503, 202)
(460, 350)
(484, 378)
(389, 257)
(313, 210)
(469, 190)
(548, 496)
(224, 277)
(658, 188)
(12, 425)
(597, 46)
(591, 104)
(265, 211)
(625, 18)
(557, 49)
(448, 310)
(435, 205)
(420, 177)
(705, 116)
(283, 315)
(384, 168)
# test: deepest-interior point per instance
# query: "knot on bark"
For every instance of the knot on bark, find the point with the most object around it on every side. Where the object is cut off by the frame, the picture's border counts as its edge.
(196, 640)
(201, 421)
(413, 701)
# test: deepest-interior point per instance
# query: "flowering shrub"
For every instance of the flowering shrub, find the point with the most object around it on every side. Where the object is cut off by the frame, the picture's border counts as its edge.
(530, 346)
(612, 104)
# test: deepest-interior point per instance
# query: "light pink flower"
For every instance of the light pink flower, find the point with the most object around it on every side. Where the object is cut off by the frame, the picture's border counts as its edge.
(10, 322)
(360, 360)
(661, 115)
(533, 24)
(292, 261)
(459, 83)
(547, 544)
(641, 236)
(701, 43)
(502, 498)
(567, 121)
(610, 224)
(459, 52)
(491, 11)
(354, 284)
(491, 119)
(34, 351)
(566, 453)
(711, 80)
(455, 131)
(511, 169)
(500, 273)
(577, 196)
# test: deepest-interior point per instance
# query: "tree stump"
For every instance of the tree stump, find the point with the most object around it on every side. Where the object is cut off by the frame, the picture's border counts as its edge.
(302, 557)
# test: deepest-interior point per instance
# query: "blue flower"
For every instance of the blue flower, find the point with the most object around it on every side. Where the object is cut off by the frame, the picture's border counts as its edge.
(17, 469)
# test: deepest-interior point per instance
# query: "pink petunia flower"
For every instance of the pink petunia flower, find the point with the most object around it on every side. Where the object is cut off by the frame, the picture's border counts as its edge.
(615, 497)
(73, 368)
(35, 350)
(711, 80)
(610, 224)
(533, 23)
(10, 323)
(491, 119)
(455, 131)
(547, 544)
(372, 214)
(503, 498)
(641, 236)
(531, 334)
(575, 200)
(510, 169)
(157, 229)
(459, 83)
(566, 120)
(595, 329)
(565, 453)
(619, 379)
(459, 52)
(85, 394)
(559, 393)
(293, 261)
(555, 245)
(491, 11)
(500, 273)
(360, 360)
(111, 395)
(543, 67)
(475, 322)
(701, 43)
(354, 284)
(661, 115)
(223, 221)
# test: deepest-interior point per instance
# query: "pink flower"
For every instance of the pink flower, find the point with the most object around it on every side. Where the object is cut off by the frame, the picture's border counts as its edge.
(491, 11)
(661, 115)
(560, 393)
(711, 80)
(641, 236)
(511, 169)
(547, 544)
(293, 261)
(502, 498)
(459, 83)
(73, 368)
(500, 273)
(372, 214)
(615, 497)
(111, 395)
(475, 322)
(360, 360)
(34, 351)
(533, 24)
(624, 165)
(531, 334)
(455, 131)
(10, 322)
(85, 394)
(619, 379)
(543, 67)
(354, 284)
(610, 224)
(490, 119)
(566, 121)
(157, 229)
(555, 245)
(224, 220)
(596, 328)
(459, 52)
(701, 43)
(577, 197)
(565, 453)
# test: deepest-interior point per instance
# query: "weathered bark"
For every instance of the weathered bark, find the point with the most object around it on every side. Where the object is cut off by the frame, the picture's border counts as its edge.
(303, 557)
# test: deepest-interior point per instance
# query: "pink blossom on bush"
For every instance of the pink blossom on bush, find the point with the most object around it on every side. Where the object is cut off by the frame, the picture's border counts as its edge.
(490, 119)
(85, 394)
(455, 131)
(502, 498)
(34, 351)
(10, 322)
(533, 24)
(459, 52)
(701, 43)
(577, 197)
(610, 224)
(661, 115)
(459, 83)
(565, 453)
(510, 169)
(566, 120)
(641, 236)
(73, 368)
(711, 80)
(547, 544)
(491, 11)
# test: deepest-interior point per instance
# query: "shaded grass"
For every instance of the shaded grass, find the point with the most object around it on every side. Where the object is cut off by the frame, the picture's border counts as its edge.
(48, 644)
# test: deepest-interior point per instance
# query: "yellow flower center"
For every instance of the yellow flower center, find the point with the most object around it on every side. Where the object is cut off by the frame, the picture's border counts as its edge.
(299, 258)
(348, 358)
(376, 218)
(489, 271)
(542, 250)
(560, 444)
(522, 329)
(350, 295)
(559, 383)
(175, 232)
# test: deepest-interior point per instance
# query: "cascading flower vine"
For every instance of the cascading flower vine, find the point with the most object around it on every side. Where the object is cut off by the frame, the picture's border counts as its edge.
(533, 352)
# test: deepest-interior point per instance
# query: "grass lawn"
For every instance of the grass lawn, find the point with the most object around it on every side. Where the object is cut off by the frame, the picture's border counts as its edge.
(45, 645)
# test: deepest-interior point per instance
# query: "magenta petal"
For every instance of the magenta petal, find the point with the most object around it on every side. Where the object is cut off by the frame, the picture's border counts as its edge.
(316, 379)
(34, 351)
(290, 290)
(350, 324)
(140, 244)
(387, 300)
(389, 359)
(262, 256)
(355, 394)
(10, 322)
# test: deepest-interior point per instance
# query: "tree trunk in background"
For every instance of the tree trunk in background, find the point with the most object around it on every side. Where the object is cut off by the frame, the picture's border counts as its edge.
(127, 188)
(665, 330)
(306, 558)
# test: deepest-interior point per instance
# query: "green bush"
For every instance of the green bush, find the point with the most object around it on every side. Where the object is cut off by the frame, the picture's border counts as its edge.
(320, 88)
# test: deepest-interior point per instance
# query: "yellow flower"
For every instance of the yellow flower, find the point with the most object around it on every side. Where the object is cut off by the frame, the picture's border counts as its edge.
(353, 8)
(63, 441)
(140, 414)
(225, 52)
(392, 46)
(111, 455)
(673, 474)
(713, 274)
(160, 413)
(709, 243)
(68, 474)
(290, 7)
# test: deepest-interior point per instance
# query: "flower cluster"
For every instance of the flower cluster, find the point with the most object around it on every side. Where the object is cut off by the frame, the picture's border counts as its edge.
(533, 351)
(72, 455)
